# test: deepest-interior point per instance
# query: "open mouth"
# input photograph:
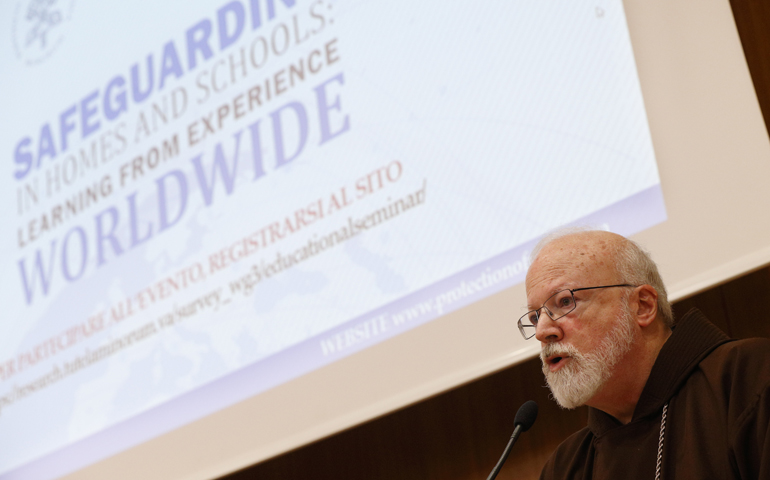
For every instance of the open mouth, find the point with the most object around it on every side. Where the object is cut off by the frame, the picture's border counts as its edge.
(555, 361)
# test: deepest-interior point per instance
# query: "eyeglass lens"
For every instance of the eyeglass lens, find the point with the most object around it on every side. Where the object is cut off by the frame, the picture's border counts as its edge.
(557, 305)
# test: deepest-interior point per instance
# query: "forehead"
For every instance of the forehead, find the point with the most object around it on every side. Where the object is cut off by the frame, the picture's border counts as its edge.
(570, 263)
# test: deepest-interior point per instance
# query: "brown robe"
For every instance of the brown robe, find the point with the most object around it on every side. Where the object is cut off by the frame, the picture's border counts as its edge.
(718, 419)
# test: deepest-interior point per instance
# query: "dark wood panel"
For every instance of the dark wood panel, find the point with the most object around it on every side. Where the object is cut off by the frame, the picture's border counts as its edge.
(746, 300)
(711, 303)
(457, 435)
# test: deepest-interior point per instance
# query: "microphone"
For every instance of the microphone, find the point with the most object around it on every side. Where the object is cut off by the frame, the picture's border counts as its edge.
(523, 421)
(526, 415)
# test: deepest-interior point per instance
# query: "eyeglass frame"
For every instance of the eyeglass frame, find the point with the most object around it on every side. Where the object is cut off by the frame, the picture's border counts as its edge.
(574, 303)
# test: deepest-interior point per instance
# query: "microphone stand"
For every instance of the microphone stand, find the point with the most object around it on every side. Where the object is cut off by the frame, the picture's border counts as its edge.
(525, 417)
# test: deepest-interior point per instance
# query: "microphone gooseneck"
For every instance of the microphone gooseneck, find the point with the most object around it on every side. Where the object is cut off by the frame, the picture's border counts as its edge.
(523, 421)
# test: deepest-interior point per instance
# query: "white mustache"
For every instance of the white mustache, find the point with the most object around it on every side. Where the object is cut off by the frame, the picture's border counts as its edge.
(561, 349)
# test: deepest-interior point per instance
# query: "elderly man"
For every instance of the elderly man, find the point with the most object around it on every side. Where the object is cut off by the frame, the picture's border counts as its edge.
(666, 401)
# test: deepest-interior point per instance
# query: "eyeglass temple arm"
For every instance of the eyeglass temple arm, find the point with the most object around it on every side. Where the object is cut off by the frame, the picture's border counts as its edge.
(603, 286)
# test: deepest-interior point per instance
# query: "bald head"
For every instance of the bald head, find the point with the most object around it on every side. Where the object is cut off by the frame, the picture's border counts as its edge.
(597, 257)
(592, 252)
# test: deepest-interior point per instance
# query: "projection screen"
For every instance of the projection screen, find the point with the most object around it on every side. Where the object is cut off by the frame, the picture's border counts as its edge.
(263, 222)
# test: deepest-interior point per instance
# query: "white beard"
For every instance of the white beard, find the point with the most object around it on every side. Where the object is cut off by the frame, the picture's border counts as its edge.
(585, 373)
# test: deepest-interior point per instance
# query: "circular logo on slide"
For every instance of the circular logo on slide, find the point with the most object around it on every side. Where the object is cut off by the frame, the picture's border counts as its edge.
(39, 28)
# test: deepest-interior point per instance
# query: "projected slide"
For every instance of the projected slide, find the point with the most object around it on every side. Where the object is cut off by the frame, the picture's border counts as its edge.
(203, 200)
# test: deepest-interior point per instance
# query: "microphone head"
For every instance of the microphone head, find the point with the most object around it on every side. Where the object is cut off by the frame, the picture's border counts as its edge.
(526, 415)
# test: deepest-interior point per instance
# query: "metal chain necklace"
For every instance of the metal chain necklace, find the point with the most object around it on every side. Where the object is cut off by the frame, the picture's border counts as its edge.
(660, 441)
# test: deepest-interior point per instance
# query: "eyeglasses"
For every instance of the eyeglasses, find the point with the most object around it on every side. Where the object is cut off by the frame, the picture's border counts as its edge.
(559, 304)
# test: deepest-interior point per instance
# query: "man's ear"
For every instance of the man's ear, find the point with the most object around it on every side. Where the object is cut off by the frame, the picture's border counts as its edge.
(645, 305)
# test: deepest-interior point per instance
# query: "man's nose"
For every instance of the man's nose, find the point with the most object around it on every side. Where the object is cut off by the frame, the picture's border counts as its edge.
(548, 330)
